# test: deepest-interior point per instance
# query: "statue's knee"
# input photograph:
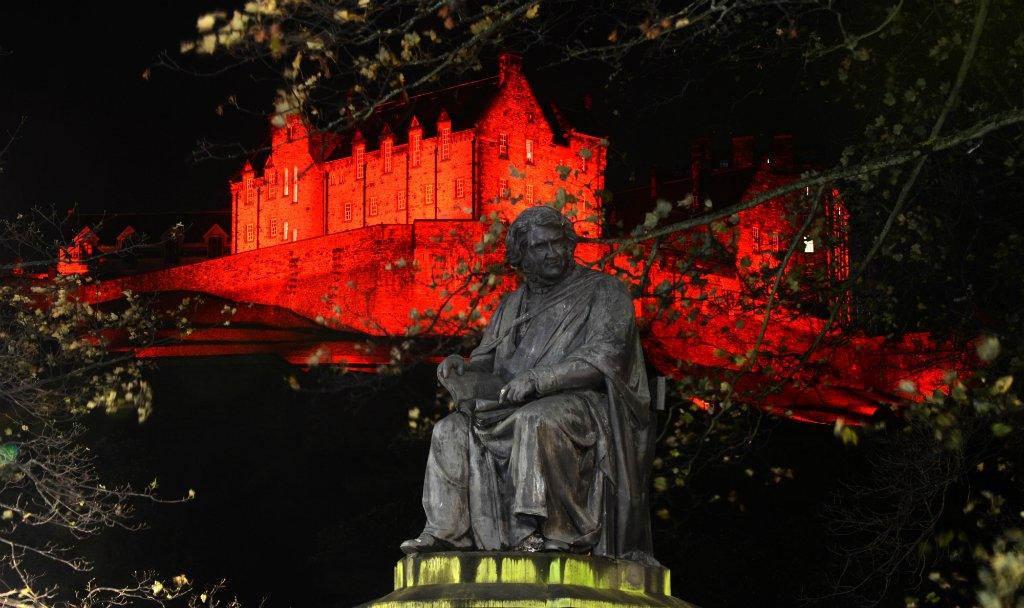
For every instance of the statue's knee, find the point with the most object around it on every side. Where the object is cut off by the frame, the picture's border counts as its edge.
(534, 415)
(452, 426)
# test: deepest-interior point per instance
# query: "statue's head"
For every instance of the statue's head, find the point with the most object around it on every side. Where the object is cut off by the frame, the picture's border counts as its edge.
(541, 242)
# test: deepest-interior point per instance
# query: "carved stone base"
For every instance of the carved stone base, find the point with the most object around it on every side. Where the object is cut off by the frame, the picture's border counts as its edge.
(526, 580)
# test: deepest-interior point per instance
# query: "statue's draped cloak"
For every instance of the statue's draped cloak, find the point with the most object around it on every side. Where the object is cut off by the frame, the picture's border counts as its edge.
(588, 317)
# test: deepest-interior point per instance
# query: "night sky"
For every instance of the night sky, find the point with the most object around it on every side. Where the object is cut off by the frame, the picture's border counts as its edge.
(96, 133)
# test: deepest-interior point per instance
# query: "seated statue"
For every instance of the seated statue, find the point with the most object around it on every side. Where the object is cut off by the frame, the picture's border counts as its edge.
(550, 447)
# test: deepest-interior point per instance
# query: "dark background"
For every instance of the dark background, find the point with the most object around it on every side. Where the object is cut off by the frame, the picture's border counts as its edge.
(302, 498)
(99, 135)
(96, 133)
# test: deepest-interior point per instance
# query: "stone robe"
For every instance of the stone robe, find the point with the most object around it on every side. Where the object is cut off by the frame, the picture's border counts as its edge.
(576, 462)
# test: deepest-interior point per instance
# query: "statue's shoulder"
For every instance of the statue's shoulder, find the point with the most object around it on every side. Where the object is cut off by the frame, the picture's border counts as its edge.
(602, 281)
(509, 298)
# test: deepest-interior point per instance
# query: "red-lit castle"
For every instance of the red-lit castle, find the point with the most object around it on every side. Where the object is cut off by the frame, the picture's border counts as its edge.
(368, 232)
(439, 156)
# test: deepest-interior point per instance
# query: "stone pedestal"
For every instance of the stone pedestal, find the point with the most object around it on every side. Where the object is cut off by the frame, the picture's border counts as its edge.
(526, 580)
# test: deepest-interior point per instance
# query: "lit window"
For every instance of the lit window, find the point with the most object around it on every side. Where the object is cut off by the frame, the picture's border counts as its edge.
(284, 233)
(348, 211)
(295, 234)
(295, 187)
(460, 187)
(250, 233)
(360, 162)
(385, 150)
(808, 245)
(286, 182)
(529, 151)
(529, 194)
(273, 227)
(400, 200)
(756, 237)
(503, 188)
(416, 145)
(372, 206)
(446, 143)
(503, 145)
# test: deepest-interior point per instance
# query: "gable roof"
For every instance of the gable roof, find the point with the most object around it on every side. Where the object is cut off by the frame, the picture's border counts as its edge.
(463, 103)
(149, 225)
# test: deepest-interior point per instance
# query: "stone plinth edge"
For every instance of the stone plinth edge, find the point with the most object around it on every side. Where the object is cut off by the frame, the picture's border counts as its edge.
(526, 580)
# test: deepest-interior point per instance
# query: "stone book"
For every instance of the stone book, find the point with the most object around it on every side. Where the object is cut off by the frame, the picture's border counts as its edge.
(477, 394)
(470, 386)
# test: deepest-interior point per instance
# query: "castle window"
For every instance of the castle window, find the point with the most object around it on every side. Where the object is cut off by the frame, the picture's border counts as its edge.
(583, 164)
(416, 148)
(360, 162)
(250, 233)
(295, 234)
(284, 233)
(428, 195)
(503, 145)
(250, 191)
(400, 200)
(529, 194)
(273, 227)
(775, 242)
(446, 143)
(287, 179)
(271, 178)
(348, 211)
(372, 211)
(808, 245)
(529, 151)
(295, 187)
(386, 151)
(756, 237)
(503, 190)
(460, 187)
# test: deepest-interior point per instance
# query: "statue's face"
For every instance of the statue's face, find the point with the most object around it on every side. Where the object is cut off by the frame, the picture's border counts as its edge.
(547, 253)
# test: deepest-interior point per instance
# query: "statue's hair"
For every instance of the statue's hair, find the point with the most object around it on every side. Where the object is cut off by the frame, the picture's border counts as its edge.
(542, 215)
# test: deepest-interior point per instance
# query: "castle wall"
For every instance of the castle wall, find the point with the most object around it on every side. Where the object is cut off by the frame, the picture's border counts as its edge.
(365, 280)
(530, 175)
(285, 202)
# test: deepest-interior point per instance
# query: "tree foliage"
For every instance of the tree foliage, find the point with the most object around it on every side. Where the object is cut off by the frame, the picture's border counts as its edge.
(921, 110)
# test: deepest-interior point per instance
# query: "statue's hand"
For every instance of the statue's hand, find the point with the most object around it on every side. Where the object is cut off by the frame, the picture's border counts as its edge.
(452, 363)
(517, 391)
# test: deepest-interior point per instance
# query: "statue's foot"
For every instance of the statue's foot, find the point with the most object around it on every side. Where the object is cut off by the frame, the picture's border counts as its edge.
(424, 543)
(559, 546)
(531, 544)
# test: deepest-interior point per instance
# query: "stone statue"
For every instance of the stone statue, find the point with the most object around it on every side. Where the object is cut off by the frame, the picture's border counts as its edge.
(550, 448)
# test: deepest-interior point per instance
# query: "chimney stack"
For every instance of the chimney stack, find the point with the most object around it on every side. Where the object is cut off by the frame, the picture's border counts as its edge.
(782, 152)
(742, 152)
(700, 157)
(508, 64)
